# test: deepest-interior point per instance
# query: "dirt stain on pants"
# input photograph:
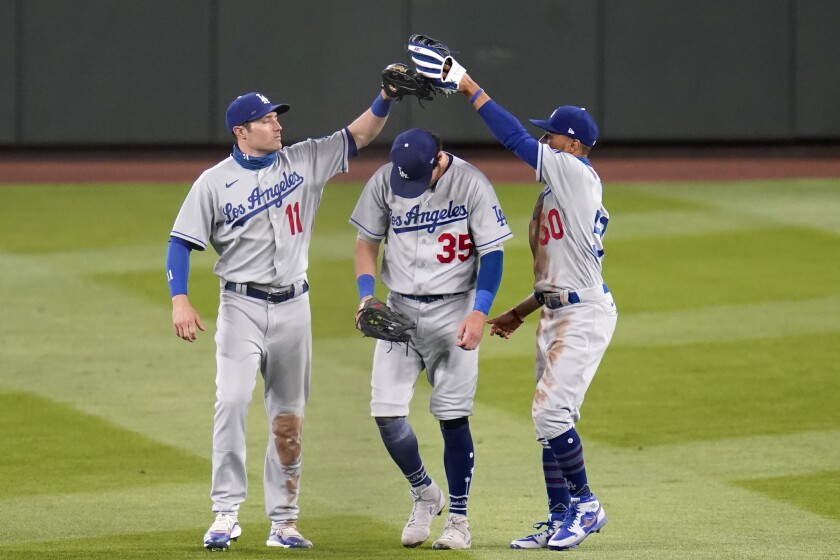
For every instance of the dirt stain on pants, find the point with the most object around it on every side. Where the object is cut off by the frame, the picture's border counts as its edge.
(287, 440)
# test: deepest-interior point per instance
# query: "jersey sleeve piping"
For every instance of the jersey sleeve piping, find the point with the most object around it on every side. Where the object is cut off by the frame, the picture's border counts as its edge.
(351, 149)
(367, 231)
(200, 245)
(497, 240)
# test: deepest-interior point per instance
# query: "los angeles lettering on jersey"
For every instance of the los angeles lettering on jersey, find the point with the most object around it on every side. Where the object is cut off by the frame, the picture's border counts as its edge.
(429, 220)
(260, 200)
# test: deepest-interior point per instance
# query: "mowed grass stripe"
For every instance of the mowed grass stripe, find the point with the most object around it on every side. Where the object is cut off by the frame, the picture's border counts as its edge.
(51, 448)
(816, 492)
(701, 221)
(665, 274)
(726, 323)
(87, 512)
(719, 390)
(810, 203)
(107, 353)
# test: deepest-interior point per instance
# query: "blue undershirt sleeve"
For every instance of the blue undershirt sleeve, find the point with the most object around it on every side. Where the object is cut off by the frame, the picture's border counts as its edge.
(489, 278)
(366, 284)
(178, 265)
(510, 132)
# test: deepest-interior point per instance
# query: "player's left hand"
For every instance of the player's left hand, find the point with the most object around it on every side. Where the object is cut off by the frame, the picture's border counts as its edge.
(398, 81)
(471, 330)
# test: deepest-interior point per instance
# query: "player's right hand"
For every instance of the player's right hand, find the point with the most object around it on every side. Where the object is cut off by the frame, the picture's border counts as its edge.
(470, 331)
(185, 318)
(361, 306)
(503, 325)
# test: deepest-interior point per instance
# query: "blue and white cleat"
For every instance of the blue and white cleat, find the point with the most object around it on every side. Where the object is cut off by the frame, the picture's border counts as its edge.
(287, 537)
(225, 528)
(585, 517)
(540, 540)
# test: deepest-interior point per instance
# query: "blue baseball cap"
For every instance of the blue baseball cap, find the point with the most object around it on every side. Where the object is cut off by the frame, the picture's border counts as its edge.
(574, 122)
(249, 107)
(413, 155)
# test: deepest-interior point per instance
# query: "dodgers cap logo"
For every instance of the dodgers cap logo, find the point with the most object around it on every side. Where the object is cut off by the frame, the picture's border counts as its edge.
(413, 155)
(249, 107)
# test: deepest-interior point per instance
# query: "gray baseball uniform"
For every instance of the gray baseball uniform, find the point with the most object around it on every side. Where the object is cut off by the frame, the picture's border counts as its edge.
(570, 225)
(260, 224)
(430, 261)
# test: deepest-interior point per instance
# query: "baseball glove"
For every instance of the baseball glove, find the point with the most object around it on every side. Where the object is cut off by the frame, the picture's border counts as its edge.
(399, 80)
(434, 60)
(377, 320)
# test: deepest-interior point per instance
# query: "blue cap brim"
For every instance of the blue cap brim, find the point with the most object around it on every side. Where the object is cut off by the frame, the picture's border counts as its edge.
(409, 189)
(280, 109)
(545, 125)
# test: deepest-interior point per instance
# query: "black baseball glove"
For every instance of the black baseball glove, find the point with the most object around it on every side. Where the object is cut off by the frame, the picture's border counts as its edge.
(398, 80)
(377, 320)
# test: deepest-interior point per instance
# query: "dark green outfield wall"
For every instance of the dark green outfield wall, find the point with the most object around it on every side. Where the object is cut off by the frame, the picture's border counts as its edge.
(161, 72)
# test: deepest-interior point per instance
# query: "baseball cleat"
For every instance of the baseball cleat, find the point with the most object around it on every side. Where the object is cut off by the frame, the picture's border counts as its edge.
(428, 502)
(585, 517)
(540, 540)
(456, 534)
(287, 537)
(225, 528)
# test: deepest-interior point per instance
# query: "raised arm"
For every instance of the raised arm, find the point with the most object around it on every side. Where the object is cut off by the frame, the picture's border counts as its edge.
(505, 127)
(370, 123)
(434, 60)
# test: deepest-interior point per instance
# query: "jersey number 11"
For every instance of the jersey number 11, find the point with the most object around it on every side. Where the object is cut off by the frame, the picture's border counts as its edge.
(293, 214)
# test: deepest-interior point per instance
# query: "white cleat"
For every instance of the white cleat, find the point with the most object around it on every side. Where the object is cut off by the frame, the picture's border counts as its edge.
(456, 534)
(225, 528)
(287, 537)
(428, 502)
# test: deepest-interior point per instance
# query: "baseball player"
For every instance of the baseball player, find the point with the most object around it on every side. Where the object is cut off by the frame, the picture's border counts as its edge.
(443, 229)
(577, 311)
(257, 208)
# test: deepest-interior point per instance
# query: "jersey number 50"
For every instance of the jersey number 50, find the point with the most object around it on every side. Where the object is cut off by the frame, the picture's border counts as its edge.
(551, 226)
(462, 248)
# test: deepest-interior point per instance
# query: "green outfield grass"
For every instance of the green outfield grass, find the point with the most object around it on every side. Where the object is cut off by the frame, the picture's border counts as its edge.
(712, 429)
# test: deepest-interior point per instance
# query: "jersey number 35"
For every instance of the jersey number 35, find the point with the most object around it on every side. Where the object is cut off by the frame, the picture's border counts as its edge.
(451, 248)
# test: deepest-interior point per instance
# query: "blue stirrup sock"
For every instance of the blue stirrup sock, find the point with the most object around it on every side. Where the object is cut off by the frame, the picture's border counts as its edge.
(458, 461)
(568, 452)
(559, 498)
(401, 443)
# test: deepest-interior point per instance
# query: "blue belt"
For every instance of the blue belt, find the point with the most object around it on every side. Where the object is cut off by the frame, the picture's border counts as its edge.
(557, 300)
(429, 299)
(270, 297)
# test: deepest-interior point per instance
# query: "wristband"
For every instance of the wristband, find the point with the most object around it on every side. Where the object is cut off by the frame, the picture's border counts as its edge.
(483, 301)
(475, 95)
(381, 107)
(365, 283)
